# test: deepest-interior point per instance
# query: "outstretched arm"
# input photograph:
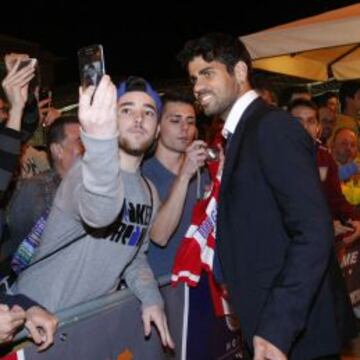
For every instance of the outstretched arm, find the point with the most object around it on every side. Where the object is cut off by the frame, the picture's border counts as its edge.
(170, 212)
(16, 86)
(101, 194)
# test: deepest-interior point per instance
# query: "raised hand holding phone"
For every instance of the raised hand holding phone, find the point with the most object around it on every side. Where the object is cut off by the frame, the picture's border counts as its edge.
(16, 85)
(91, 65)
(13, 59)
(97, 110)
(19, 62)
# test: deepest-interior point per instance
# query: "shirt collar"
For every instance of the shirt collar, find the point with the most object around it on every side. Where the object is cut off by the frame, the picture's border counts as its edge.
(237, 111)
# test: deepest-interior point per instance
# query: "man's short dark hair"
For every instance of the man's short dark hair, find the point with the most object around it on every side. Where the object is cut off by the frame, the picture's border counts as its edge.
(321, 100)
(260, 82)
(348, 89)
(56, 131)
(178, 96)
(304, 103)
(288, 92)
(223, 48)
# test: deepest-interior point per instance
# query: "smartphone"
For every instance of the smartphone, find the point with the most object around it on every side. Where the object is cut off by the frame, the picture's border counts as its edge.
(23, 63)
(35, 81)
(26, 62)
(91, 65)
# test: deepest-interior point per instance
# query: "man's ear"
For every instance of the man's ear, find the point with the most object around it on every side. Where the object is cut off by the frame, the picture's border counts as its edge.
(241, 72)
(56, 151)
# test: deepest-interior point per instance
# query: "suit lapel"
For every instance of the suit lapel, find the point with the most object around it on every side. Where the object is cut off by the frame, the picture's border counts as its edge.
(236, 140)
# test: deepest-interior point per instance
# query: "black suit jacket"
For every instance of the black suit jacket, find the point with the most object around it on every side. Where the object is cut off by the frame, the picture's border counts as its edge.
(275, 237)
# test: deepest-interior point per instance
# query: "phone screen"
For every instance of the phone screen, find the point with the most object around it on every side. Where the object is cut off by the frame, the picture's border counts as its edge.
(91, 65)
(26, 62)
(35, 81)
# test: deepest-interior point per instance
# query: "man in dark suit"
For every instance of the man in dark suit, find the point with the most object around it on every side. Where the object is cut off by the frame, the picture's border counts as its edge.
(274, 230)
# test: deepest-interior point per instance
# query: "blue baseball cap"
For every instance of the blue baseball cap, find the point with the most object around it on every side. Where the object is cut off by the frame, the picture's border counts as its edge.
(135, 83)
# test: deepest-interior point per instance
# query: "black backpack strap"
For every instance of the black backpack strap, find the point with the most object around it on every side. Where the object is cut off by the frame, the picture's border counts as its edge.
(67, 244)
(57, 250)
(150, 193)
(142, 239)
(84, 234)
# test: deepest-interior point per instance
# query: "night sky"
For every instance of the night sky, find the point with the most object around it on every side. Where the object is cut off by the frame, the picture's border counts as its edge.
(142, 39)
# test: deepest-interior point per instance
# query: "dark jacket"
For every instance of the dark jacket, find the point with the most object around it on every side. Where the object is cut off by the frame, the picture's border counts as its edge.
(275, 235)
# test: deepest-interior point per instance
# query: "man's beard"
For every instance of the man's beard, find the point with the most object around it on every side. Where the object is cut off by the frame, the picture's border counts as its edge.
(218, 107)
(138, 150)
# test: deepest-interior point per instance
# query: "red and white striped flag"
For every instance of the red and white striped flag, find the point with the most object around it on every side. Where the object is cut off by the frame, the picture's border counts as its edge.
(197, 249)
(15, 355)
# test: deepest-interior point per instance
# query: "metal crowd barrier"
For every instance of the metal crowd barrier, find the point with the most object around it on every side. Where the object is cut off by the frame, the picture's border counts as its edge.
(70, 316)
(110, 327)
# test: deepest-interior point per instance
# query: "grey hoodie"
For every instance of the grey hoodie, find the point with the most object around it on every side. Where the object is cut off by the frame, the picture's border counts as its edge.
(89, 201)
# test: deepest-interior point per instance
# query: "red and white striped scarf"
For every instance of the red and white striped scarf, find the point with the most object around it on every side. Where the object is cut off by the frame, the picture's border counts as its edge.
(197, 249)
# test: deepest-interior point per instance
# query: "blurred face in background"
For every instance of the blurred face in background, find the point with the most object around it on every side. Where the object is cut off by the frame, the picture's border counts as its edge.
(345, 147)
(327, 119)
(354, 102)
(333, 104)
(66, 151)
(72, 145)
(308, 119)
(177, 126)
(267, 96)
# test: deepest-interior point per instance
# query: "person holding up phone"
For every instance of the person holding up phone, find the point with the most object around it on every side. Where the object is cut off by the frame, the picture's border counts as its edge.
(104, 208)
(18, 311)
(32, 161)
(20, 72)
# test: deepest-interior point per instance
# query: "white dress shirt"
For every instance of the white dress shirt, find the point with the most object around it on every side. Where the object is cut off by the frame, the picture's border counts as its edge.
(237, 111)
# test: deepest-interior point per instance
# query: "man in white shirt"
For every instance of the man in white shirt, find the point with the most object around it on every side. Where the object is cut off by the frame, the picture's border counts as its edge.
(274, 231)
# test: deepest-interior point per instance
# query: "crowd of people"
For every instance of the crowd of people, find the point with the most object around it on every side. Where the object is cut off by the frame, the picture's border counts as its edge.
(117, 195)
